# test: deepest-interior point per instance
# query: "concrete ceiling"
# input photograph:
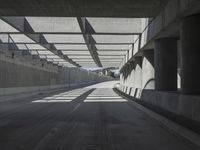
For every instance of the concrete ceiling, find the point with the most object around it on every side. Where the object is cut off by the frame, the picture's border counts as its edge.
(87, 8)
(72, 41)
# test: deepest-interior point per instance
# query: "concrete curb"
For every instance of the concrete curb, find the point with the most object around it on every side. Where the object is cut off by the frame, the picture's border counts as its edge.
(177, 129)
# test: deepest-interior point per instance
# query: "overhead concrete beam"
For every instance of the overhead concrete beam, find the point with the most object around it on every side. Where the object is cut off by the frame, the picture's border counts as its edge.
(90, 42)
(70, 33)
(85, 27)
(167, 22)
(22, 25)
(84, 8)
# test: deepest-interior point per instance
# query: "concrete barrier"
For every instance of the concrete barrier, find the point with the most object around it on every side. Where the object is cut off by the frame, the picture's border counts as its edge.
(19, 75)
(183, 109)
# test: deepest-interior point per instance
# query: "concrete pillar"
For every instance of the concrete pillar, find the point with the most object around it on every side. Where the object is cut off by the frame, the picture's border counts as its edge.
(128, 79)
(165, 64)
(132, 74)
(125, 76)
(148, 79)
(190, 72)
(132, 79)
(138, 73)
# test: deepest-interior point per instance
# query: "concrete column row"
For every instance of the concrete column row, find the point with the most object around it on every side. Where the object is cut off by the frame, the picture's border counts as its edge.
(190, 72)
(166, 59)
(140, 73)
(165, 63)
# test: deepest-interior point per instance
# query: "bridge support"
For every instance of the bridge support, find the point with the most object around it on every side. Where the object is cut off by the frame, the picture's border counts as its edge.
(190, 72)
(166, 64)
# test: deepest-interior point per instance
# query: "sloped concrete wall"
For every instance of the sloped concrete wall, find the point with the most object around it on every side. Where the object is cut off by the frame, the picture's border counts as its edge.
(147, 74)
(19, 75)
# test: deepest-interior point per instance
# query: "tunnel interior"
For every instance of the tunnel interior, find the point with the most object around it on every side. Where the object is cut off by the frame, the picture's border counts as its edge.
(99, 75)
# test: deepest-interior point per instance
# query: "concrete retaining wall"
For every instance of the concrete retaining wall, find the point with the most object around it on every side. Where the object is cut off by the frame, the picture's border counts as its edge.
(179, 104)
(182, 105)
(183, 109)
(24, 74)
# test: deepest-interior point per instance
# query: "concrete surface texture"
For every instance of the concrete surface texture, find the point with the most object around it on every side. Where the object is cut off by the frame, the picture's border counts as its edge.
(93, 117)
(148, 72)
(183, 105)
(166, 64)
(93, 8)
(18, 76)
(138, 76)
(190, 55)
(168, 79)
(151, 40)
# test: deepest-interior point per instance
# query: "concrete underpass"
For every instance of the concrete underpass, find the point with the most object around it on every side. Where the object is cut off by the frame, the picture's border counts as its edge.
(93, 117)
(99, 75)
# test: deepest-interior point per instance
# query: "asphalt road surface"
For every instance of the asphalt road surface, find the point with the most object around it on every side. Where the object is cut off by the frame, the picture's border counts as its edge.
(90, 118)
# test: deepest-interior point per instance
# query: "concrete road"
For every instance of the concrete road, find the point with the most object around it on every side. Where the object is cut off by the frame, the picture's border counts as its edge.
(91, 118)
